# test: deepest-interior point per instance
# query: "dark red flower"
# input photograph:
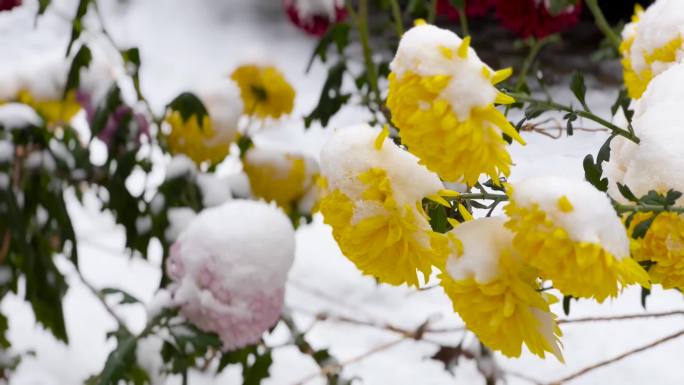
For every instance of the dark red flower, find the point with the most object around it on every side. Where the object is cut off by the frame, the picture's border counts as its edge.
(474, 8)
(531, 18)
(315, 25)
(6, 5)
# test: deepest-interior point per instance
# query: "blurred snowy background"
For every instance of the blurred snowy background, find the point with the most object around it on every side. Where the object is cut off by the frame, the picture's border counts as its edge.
(183, 42)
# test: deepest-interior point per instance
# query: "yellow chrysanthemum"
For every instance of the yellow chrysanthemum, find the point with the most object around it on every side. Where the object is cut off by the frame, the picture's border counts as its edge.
(442, 100)
(53, 111)
(199, 141)
(496, 294)
(373, 203)
(281, 177)
(264, 91)
(650, 43)
(570, 233)
(663, 246)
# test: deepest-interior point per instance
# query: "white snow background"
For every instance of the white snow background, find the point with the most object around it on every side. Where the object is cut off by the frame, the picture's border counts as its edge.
(181, 43)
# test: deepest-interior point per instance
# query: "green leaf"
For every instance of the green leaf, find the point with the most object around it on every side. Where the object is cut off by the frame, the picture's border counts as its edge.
(120, 360)
(579, 89)
(253, 374)
(337, 34)
(4, 325)
(438, 217)
(132, 58)
(81, 60)
(77, 23)
(189, 105)
(42, 6)
(592, 174)
(641, 229)
(332, 98)
(126, 298)
(566, 304)
(627, 193)
(672, 197)
(458, 4)
(644, 295)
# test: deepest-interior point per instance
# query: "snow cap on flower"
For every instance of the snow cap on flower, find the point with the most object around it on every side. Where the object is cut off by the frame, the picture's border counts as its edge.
(536, 17)
(264, 91)
(229, 268)
(207, 139)
(652, 43)
(315, 16)
(286, 178)
(374, 191)
(442, 100)
(496, 294)
(570, 232)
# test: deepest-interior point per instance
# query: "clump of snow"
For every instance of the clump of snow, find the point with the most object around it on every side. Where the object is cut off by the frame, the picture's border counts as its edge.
(239, 185)
(41, 159)
(221, 98)
(179, 218)
(351, 151)
(592, 218)
(149, 357)
(621, 151)
(229, 268)
(307, 9)
(661, 23)
(143, 225)
(16, 115)
(420, 52)
(483, 240)
(160, 301)
(664, 89)
(180, 166)
(4, 181)
(215, 189)
(6, 151)
(656, 163)
(62, 153)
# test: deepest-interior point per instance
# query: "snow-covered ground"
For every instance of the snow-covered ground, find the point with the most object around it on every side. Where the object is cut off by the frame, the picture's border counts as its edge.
(184, 42)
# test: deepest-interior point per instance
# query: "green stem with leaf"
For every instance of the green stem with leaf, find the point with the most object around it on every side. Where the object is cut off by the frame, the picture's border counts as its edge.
(646, 208)
(602, 23)
(550, 105)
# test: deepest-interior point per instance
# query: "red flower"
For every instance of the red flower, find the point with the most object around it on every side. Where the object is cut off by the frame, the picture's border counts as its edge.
(6, 5)
(474, 8)
(316, 24)
(531, 18)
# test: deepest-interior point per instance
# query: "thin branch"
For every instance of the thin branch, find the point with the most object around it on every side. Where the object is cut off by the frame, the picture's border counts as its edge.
(623, 317)
(602, 23)
(102, 300)
(617, 358)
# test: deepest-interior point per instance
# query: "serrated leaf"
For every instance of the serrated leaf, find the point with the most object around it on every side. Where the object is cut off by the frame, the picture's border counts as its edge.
(672, 197)
(627, 193)
(579, 89)
(642, 227)
(593, 174)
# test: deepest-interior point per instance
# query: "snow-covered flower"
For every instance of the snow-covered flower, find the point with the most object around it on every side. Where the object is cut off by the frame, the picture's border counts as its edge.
(656, 162)
(207, 140)
(663, 247)
(442, 100)
(496, 294)
(651, 43)
(264, 91)
(6, 5)
(315, 16)
(289, 179)
(229, 268)
(535, 17)
(570, 232)
(473, 8)
(373, 203)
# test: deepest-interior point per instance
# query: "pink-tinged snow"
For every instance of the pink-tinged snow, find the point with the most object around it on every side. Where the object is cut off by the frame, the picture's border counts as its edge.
(182, 43)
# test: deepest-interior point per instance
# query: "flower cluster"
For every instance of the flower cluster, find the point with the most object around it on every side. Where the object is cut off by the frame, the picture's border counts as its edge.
(229, 270)
(442, 99)
(654, 165)
(315, 16)
(652, 42)
(264, 91)
(287, 178)
(207, 138)
(373, 201)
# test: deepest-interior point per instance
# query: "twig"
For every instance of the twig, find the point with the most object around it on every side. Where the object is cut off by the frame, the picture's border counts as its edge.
(102, 300)
(623, 317)
(398, 20)
(617, 358)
